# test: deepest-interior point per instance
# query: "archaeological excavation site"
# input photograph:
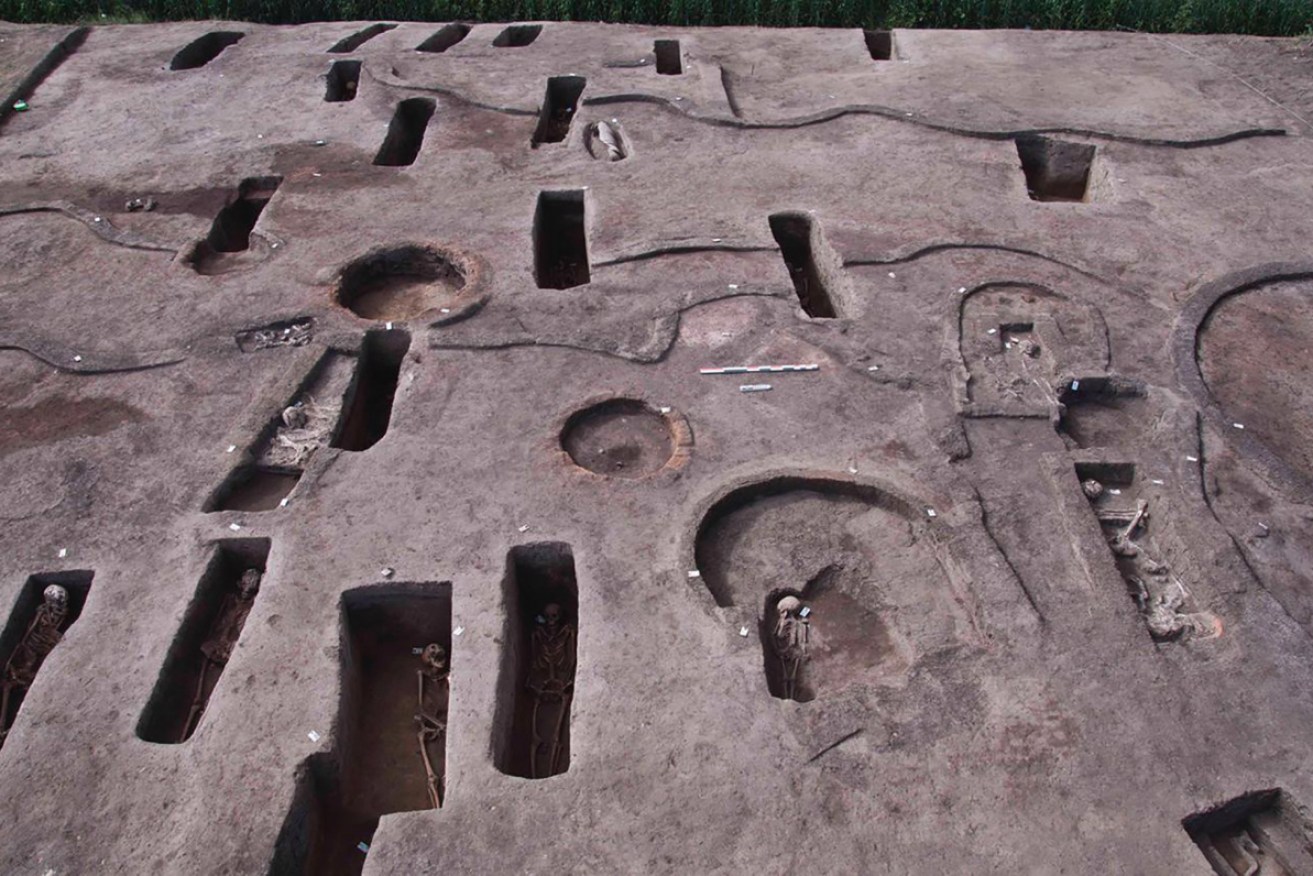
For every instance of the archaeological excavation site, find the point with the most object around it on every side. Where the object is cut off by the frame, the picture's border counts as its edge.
(560, 448)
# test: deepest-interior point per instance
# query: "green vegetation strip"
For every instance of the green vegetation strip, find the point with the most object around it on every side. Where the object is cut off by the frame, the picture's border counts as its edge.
(1269, 17)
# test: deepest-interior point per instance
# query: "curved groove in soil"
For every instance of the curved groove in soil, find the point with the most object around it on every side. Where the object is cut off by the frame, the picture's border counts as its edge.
(1193, 318)
(681, 249)
(61, 359)
(829, 115)
(99, 225)
(664, 335)
(934, 248)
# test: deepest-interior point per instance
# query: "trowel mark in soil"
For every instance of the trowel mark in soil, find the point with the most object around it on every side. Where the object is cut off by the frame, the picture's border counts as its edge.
(405, 133)
(620, 437)
(368, 408)
(205, 49)
(1055, 170)
(204, 642)
(1258, 834)
(37, 623)
(400, 283)
(798, 237)
(359, 38)
(444, 38)
(535, 687)
(560, 242)
(230, 233)
(343, 81)
(387, 756)
(559, 106)
(517, 36)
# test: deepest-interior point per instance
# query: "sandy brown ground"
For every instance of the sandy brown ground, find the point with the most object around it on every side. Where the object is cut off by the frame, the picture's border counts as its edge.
(987, 695)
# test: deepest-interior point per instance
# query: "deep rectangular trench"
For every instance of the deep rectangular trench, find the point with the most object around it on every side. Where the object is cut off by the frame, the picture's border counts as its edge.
(880, 44)
(254, 488)
(405, 133)
(560, 240)
(231, 229)
(668, 59)
(1261, 827)
(1055, 170)
(343, 81)
(559, 106)
(537, 575)
(376, 767)
(30, 597)
(367, 410)
(204, 49)
(359, 38)
(193, 665)
(517, 36)
(444, 38)
(795, 233)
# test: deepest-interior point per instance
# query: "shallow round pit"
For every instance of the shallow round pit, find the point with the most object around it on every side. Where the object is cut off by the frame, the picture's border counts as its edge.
(400, 283)
(620, 437)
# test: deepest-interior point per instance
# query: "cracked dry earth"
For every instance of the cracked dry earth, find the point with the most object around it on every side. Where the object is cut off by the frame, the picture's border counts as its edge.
(326, 344)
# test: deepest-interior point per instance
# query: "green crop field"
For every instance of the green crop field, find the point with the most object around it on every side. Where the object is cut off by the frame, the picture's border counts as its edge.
(1271, 17)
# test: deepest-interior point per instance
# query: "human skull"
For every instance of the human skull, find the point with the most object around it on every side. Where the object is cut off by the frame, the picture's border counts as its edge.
(55, 596)
(788, 605)
(552, 614)
(249, 584)
(435, 655)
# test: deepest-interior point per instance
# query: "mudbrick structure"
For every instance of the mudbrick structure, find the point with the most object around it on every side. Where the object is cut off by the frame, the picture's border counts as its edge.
(586, 449)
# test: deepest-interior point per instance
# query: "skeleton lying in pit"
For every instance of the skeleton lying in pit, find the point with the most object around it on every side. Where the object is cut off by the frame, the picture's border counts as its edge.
(551, 684)
(432, 677)
(218, 645)
(789, 641)
(40, 638)
(1157, 591)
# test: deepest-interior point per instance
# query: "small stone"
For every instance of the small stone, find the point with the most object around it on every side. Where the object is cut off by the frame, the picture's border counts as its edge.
(387, 571)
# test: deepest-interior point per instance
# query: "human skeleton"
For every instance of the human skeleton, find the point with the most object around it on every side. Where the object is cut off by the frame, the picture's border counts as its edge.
(218, 647)
(1161, 603)
(789, 640)
(433, 675)
(41, 637)
(550, 680)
